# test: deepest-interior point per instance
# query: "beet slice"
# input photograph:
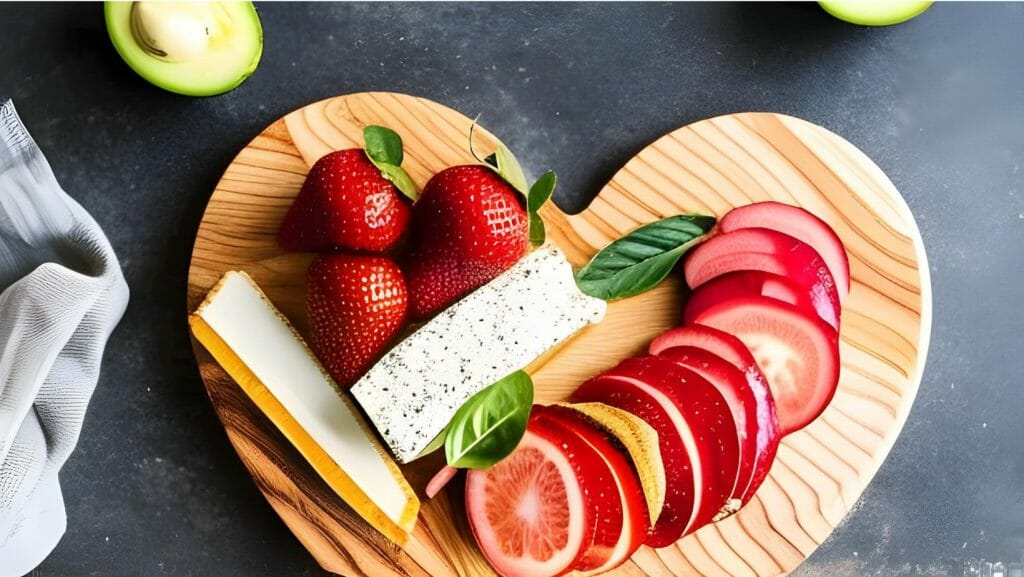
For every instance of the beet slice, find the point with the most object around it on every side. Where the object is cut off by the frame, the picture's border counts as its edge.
(812, 301)
(799, 224)
(733, 351)
(798, 354)
(732, 384)
(762, 249)
(692, 413)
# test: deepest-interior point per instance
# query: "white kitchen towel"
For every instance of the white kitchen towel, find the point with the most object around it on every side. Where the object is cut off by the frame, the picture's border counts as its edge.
(63, 294)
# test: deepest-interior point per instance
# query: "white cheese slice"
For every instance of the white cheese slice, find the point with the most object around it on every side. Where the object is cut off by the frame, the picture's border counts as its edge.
(414, 390)
(316, 416)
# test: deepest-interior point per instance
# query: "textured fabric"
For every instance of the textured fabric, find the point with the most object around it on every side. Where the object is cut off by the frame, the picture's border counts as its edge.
(63, 293)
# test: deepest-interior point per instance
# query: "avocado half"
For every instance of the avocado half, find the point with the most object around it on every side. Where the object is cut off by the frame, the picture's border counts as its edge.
(191, 48)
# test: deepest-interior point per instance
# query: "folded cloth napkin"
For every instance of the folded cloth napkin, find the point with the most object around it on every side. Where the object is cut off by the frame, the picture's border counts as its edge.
(63, 294)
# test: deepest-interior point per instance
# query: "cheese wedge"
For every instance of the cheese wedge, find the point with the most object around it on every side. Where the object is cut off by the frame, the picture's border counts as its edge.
(412, 393)
(260, 349)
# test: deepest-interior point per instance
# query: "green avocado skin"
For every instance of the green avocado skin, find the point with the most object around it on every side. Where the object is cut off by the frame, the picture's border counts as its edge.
(181, 78)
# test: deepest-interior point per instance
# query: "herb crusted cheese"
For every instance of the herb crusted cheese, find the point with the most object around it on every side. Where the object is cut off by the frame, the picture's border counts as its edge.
(412, 393)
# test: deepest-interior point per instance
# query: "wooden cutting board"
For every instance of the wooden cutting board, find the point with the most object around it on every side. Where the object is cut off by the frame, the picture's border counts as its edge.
(708, 167)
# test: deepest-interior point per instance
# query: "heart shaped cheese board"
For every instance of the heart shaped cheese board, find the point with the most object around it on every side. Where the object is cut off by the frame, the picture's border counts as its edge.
(709, 167)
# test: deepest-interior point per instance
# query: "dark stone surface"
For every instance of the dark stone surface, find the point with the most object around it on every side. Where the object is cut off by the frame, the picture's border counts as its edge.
(155, 489)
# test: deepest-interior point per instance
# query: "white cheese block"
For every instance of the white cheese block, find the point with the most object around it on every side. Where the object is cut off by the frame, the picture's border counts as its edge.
(316, 416)
(414, 390)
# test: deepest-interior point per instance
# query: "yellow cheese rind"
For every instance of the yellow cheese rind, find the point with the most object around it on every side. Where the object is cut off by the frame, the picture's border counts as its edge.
(332, 472)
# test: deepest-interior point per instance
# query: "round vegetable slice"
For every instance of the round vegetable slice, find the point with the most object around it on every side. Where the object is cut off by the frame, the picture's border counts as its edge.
(813, 301)
(765, 250)
(798, 354)
(799, 224)
(530, 513)
(696, 435)
(736, 353)
(619, 505)
(731, 383)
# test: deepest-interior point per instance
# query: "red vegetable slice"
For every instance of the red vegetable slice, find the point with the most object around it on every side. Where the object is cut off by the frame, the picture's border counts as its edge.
(531, 513)
(736, 353)
(765, 250)
(799, 224)
(621, 506)
(732, 385)
(684, 408)
(798, 354)
(812, 301)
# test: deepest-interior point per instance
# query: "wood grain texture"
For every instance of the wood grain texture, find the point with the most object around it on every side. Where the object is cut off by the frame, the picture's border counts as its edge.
(709, 166)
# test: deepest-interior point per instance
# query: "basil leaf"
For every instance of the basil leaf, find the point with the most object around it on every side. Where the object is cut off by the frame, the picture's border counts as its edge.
(490, 424)
(640, 260)
(540, 192)
(537, 233)
(401, 179)
(383, 145)
(434, 445)
(507, 167)
(384, 149)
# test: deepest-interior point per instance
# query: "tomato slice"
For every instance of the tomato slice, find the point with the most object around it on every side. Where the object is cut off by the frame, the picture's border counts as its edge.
(798, 354)
(799, 224)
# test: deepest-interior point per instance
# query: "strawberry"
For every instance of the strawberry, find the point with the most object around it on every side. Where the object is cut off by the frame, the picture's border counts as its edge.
(356, 305)
(468, 227)
(351, 199)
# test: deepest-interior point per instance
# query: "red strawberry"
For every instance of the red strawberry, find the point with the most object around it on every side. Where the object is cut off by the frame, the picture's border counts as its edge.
(468, 226)
(356, 305)
(346, 203)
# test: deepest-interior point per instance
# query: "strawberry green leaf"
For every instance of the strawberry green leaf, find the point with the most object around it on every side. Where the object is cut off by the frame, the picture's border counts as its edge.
(401, 179)
(505, 164)
(384, 149)
(540, 193)
(490, 424)
(383, 145)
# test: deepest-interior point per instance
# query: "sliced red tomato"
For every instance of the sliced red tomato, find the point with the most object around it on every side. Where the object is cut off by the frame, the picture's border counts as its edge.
(736, 353)
(621, 506)
(762, 249)
(799, 224)
(739, 397)
(531, 513)
(692, 411)
(798, 354)
(813, 301)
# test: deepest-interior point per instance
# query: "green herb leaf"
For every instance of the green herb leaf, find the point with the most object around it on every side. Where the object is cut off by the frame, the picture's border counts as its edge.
(537, 233)
(434, 445)
(507, 167)
(540, 193)
(383, 145)
(640, 260)
(401, 179)
(490, 424)
(384, 149)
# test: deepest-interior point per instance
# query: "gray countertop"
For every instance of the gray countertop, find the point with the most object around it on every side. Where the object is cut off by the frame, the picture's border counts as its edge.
(154, 487)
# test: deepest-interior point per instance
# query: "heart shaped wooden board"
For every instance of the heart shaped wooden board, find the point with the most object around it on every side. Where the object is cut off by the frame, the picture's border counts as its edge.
(709, 167)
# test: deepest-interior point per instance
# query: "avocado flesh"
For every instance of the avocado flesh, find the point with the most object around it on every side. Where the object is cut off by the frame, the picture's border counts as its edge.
(196, 49)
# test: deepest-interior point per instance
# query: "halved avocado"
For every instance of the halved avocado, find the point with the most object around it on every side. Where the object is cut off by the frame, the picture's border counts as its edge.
(191, 48)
